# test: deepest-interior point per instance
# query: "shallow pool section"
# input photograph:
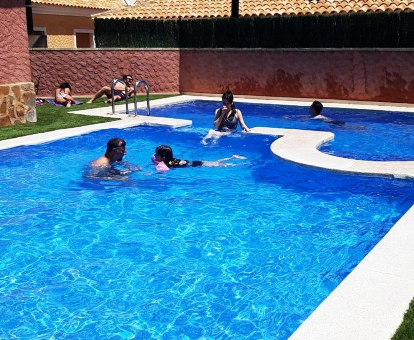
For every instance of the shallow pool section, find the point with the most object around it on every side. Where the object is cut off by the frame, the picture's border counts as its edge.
(246, 251)
(366, 135)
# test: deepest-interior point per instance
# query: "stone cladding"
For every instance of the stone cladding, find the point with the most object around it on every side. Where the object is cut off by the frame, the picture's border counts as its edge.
(17, 104)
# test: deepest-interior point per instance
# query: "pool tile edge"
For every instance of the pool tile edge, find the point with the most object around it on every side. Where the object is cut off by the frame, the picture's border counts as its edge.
(370, 303)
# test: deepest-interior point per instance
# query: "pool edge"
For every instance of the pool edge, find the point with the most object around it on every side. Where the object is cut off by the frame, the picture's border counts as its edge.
(370, 303)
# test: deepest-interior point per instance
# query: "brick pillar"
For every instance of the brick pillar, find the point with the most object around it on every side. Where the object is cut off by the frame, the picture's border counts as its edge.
(17, 97)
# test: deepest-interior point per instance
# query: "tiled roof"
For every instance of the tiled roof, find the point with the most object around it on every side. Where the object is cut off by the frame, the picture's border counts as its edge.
(291, 7)
(94, 4)
(173, 9)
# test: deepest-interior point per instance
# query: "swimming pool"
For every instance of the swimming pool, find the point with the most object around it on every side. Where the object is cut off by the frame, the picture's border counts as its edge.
(366, 135)
(239, 252)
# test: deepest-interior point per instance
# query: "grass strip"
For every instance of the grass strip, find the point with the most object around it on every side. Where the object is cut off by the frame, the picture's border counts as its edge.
(51, 118)
(406, 329)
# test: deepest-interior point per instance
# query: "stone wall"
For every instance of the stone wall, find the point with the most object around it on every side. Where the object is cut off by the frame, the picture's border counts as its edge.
(17, 104)
(344, 74)
(88, 70)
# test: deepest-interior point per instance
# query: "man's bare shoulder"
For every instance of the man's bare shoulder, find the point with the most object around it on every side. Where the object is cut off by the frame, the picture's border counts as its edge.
(119, 86)
(100, 162)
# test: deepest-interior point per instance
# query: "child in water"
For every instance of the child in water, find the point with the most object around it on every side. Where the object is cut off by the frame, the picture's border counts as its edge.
(164, 160)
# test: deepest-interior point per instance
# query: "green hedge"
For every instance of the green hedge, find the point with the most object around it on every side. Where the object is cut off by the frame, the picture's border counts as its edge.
(385, 29)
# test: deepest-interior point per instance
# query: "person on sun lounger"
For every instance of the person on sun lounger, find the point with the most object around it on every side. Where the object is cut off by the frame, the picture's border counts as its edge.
(119, 90)
(63, 95)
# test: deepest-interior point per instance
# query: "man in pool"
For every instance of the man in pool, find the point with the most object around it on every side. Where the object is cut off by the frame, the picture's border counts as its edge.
(315, 111)
(115, 151)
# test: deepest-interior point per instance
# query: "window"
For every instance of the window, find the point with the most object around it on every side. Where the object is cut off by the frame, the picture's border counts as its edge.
(84, 38)
(38, 37)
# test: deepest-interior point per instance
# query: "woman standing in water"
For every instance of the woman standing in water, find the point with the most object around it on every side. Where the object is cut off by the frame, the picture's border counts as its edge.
(226, 119)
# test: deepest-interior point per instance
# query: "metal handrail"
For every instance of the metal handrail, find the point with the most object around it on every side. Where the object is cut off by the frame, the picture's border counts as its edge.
(114, 82)
(146, 86)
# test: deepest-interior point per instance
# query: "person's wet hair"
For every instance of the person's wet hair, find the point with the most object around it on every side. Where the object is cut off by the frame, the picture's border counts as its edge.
(317, 106)
(114, 143)
(166, 152)
(228, 95)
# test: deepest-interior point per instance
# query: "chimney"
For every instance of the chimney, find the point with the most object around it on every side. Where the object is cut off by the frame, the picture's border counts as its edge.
(235, 8)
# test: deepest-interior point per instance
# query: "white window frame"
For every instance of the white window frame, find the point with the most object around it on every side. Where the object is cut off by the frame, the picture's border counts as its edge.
(42, 29)
(92, 32)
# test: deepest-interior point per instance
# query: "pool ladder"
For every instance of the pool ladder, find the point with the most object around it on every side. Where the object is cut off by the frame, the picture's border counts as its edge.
(147, 90)
(137, 84)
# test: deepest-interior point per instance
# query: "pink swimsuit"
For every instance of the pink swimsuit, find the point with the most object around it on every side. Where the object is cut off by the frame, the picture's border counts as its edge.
(160, 166)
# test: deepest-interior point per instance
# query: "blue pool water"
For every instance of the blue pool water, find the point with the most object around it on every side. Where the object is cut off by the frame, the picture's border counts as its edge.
(240, 252)
(366, 135)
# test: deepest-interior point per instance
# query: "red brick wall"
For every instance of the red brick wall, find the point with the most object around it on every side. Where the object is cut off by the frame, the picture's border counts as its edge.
(336, 74)
(89, 70)
(14, 53)
(376, 75)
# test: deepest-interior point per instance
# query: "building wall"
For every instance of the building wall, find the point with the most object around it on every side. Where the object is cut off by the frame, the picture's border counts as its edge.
(14, 54)
(17, 96)
(369, 75)
(60, 28)
(348, 74)
(88, 70)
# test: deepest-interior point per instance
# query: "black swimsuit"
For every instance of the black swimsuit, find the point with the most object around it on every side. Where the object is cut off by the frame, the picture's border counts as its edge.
(178, 163)
(226, 124)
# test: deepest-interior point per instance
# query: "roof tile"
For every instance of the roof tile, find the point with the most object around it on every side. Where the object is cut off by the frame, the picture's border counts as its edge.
(94, 4)
(168, 9)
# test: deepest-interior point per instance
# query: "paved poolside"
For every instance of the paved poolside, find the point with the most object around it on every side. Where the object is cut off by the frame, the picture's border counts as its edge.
(371, 301)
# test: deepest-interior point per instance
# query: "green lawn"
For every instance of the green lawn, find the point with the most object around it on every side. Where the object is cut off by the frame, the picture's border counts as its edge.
(406, 329)
(50, 118)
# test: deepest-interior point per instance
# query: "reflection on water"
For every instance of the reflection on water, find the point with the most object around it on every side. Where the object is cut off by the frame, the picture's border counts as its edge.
(115, 171)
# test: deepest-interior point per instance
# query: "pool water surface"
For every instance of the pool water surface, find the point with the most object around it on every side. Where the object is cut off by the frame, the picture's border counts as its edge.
(366, 135)
(246, 251)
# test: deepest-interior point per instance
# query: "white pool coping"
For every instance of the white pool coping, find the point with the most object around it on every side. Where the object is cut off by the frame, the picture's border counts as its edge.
(371, 301)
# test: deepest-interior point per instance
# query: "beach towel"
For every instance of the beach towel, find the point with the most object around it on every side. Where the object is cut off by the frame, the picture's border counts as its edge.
(52, 101)
(40, 101)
